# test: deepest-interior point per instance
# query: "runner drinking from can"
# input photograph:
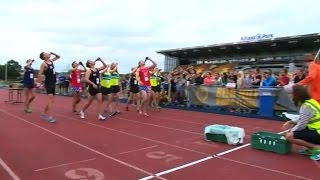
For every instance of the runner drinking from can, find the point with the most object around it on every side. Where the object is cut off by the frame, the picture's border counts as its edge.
(114, 83)
(47, 68)
(75, 81)
(106, 89)
(134, 95)
(28, 84)
(92, 77)
(143, 77)
(155, 88)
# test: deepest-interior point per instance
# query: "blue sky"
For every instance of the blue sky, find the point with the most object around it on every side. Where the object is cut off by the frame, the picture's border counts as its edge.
(126, 31)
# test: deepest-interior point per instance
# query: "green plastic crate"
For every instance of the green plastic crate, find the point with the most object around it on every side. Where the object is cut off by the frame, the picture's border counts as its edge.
(270, 142)
(216, 137)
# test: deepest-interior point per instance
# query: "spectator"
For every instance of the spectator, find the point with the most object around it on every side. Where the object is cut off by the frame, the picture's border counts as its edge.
(247, 80)
(224, 78)
(240, 80)
(269, 80)
(181, 87)
(207, 79)
(256, 78)
(298, 76)
(198, 80)
(283, 78)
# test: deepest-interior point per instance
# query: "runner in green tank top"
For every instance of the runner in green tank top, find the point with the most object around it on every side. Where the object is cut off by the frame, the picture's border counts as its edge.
(114, 85)
(155, 88)
(106, 89)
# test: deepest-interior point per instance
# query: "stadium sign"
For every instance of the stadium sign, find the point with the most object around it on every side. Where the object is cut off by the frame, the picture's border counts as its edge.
(257, 37)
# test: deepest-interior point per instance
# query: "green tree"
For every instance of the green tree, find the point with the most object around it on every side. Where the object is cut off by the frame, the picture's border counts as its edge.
(13, 70)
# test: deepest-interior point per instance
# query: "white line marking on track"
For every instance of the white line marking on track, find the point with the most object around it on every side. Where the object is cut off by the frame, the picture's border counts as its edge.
(81, 145)
(65, 164)
(266, 169)
(232, 150)
(9, 171)
(201, 160)
(141, 149)
(183, 166)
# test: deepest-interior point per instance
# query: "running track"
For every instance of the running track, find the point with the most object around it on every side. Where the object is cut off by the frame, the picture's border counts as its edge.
(167, 145)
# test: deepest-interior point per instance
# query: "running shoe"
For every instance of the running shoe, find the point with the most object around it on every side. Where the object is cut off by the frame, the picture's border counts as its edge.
(82, 115)
(315, 157)
(101, 118)
(52, 120)
(27, 110)
(43, 116)
(306, 152)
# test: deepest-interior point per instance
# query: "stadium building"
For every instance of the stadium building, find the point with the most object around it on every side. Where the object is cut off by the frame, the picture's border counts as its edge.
(262, 50)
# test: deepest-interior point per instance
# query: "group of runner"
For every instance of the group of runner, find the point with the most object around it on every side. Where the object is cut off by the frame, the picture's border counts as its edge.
(102, 84)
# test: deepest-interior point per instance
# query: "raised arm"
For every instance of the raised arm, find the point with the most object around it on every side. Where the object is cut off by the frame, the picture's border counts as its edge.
(29, 62)
(154, 64)
(103, 64)
(84, 68)
(114, 69)
(105, 69)
(56, 56)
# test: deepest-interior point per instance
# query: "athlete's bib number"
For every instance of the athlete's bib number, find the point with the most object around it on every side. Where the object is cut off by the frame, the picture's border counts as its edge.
(97, 80)
(78, 79)
(135, 82)
(146, 78)
(31, 76)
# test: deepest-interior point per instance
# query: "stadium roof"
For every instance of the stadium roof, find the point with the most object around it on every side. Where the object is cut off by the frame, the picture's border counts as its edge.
(298, 42)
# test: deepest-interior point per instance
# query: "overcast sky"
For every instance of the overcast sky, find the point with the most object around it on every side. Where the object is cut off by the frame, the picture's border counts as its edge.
(129, 30)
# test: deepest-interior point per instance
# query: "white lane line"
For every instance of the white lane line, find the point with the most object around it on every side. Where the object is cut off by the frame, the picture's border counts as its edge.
(9, 171)
(65, 164)
(232, 150)
(266, 169)
(201, 160)
(81, 145)
(183, 166)
(136, 150)
(176, 168)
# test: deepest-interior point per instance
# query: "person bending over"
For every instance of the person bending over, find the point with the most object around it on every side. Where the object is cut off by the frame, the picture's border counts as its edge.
(306, 130)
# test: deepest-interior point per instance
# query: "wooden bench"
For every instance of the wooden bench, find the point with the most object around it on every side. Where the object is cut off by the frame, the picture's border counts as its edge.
(11, 98)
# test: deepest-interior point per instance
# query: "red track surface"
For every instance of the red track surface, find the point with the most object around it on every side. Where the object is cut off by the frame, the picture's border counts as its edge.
(132, 147)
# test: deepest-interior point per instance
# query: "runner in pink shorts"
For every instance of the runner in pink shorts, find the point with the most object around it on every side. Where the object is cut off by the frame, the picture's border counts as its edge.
(75, 80)
(143, 78)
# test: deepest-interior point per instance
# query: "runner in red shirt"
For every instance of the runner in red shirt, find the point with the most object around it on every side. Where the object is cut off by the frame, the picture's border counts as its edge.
(75, 81)
(143, 78)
